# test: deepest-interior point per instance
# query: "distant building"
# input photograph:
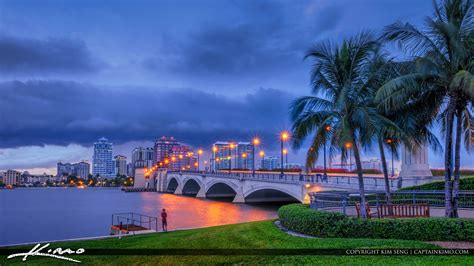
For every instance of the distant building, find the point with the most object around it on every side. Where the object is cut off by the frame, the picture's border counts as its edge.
(80, 169)
(164, 147)
(120, 165)
(30, 179)
(222, 155)
(171, 154)
(269, 163)
(244, 155)
(372, 164)
(146, 155)
(103, 164)
(130, 169)
(12, 177)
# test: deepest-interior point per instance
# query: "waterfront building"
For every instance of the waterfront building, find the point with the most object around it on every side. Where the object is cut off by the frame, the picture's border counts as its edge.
(372, 164)
(270, 163)
(164, 147)
(244, 155)
(103, 164)
(12, 177)
(222, 154)
(129, 169)
(146, 155)
(80, 169)
(120, 165)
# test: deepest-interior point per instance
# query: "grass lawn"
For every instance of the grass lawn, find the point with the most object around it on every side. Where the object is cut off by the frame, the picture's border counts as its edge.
(254, 235)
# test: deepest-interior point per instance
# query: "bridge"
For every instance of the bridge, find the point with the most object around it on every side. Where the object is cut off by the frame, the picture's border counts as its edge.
(245, 187)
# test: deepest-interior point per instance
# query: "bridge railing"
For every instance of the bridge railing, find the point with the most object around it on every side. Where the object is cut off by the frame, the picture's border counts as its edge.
(341, 181)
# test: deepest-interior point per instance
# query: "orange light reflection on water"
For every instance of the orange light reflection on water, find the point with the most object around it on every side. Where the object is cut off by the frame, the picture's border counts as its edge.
(188, 212)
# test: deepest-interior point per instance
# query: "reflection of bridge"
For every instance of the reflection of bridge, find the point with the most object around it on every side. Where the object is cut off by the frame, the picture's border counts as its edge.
(262, 187)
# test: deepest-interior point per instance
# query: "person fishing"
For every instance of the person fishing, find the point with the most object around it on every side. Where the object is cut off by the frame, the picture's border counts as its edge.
(164, 221)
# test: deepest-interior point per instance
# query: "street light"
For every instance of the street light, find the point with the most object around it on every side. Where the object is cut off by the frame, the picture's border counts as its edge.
(327, 128)
(230, 163)
(214, 150)
(390, 142)
(255, 141)
(244, 156)
(199, 153)
(284, 136)
(348, 146)
(285, 152)
(231, 147)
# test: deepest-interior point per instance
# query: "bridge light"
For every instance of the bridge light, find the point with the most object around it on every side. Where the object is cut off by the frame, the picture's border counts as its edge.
(284, 135)
(256, 141)
(244, 155)
(232, 145)
(285, 151)
(307, 185)
(200, 151)
(214, 148)
(261, 154)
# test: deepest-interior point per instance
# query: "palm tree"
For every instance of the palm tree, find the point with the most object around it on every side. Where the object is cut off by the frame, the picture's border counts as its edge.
(342, 103)
(443, 56)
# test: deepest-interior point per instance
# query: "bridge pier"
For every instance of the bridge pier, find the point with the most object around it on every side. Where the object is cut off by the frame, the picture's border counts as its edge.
(239, 197)
(179, 189)
(202, 192)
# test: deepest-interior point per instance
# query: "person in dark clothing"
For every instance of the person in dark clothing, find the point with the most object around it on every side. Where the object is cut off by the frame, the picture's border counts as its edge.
(164, 215)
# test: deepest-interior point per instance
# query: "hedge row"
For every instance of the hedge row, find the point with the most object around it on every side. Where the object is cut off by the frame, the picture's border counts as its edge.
(302, 219)
(464, 184)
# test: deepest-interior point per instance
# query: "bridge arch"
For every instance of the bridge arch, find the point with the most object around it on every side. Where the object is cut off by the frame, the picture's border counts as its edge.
(221, 189)
(191, 186)
(271, 194)
(172, 184)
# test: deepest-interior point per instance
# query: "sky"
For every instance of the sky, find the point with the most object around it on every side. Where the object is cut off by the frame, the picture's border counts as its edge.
(133, 71)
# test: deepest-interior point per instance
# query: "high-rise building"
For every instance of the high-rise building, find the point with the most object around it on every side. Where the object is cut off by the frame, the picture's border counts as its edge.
(269, 163)
(80, 169)
(103, 164)
(244, 155)
(223, 152)
(130, 169)
(164, 147)
(142, 154)
(120, 165)
(11, 177)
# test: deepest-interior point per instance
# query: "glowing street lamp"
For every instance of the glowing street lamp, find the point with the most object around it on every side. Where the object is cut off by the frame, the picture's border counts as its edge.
(214, 150)
(231, 147)
(255, 142)
(244, 156)
(284, 136)
(285, 152)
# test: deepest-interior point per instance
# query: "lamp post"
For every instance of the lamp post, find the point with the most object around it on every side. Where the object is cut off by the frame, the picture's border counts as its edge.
(214, 150)
(285, 152)
(231, 147)
(327, 128)
(284, 136)
(348, 146)
(199, 153)
(244, 157)
(255, 142)
(262, 156)
(390, 142)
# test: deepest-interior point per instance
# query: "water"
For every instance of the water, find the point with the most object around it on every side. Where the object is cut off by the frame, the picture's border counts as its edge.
(42, 214)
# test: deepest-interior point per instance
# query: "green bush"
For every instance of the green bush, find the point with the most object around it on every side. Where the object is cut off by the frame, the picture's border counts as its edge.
(464, 184)
(302, 219)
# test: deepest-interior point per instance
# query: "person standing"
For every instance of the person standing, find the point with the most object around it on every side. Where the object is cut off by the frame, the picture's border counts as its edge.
(164, 220)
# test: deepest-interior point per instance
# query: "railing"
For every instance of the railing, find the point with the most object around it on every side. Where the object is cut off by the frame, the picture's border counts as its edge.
(374, 183)
(344, 199)
(130, 219)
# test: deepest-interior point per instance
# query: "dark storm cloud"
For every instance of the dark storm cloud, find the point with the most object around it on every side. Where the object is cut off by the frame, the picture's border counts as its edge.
(270, 39)
(53, 55)
(57, 112)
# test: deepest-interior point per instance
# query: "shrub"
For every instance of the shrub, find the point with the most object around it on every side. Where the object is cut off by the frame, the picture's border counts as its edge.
(462, 172)
(302, 219)
(464, 184)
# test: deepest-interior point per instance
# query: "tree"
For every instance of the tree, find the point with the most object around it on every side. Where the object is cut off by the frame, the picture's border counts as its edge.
(342, 110)
(442, 54)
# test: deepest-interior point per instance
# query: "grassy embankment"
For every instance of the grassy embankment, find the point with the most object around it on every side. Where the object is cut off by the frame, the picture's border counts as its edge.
(254, 235)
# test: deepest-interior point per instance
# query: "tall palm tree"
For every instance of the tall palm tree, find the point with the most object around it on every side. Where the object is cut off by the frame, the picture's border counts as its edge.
(342, 102)
(443, 55)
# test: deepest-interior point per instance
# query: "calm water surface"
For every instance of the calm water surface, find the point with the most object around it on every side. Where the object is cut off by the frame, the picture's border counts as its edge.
(42, 214)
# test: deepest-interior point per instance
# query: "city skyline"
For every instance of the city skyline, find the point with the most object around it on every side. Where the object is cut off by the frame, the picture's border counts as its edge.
(84, 70)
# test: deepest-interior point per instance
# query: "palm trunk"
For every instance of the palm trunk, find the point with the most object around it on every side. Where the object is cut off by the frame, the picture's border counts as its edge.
(385, 170)
(448, 159)
(360, 176)
(457, 164)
